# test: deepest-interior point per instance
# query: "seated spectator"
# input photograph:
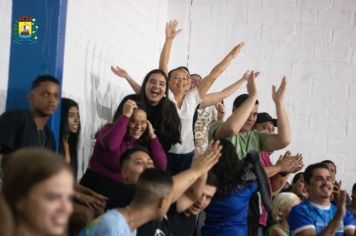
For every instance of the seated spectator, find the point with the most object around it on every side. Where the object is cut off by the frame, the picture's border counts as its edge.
(27, 128)
(151, 202)
(38, 186)
(317, 215)
(87, 204)
(298, 186)
(281, 206)
(132, 127)
(69, 132)
(184, 222)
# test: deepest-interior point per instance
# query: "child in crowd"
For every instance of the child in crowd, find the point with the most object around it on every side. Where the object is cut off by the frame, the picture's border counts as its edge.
(281, 206)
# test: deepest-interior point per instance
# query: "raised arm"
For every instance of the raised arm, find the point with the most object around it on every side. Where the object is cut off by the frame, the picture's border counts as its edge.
(239, 116)
(283, 137)
(123, 74)
(201, 165)
(208, 80)
(213, 98)
(111, 137)
(171, 33)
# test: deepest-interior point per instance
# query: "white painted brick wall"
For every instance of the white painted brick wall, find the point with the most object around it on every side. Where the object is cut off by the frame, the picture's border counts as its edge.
(5, 37)
(312, 42)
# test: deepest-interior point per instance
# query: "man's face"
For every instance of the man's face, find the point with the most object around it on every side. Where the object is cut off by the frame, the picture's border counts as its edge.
(251, 120)
(134, 167)
(321, 184)
(265, 127)
(45, 98)
(204, 201)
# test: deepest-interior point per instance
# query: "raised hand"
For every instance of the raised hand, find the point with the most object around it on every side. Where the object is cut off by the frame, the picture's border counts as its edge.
(205, 161)
(151, 131)
(220, 108)
(129, 107)
(341, 203)
(119, 72)
(236, 50)
(278, 95)
(171, 29)
(251, 85)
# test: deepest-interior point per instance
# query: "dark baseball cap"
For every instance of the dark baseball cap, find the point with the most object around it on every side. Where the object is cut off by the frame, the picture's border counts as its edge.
(265, 117)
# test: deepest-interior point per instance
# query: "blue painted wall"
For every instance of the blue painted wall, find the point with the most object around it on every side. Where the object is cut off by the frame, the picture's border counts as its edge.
(41, 56)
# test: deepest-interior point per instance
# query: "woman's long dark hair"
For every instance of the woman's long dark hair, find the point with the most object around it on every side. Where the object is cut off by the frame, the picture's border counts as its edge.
(229, 170)
(168, 125)
(73, 138)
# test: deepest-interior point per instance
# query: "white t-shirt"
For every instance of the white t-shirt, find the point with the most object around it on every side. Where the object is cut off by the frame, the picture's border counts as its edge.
(112, 223)
(186, 113)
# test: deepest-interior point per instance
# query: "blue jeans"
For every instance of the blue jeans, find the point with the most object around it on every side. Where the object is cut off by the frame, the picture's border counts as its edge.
(179, 162)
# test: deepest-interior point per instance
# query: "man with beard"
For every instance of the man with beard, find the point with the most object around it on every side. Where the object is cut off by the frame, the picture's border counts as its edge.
(317, 215)
(27, 128)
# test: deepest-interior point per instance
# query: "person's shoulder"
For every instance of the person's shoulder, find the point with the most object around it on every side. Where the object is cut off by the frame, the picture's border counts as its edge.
(16, 113)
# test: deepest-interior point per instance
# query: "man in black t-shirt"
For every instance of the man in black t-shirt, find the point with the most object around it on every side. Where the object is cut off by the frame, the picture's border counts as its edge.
(27, 128)
(183, 221)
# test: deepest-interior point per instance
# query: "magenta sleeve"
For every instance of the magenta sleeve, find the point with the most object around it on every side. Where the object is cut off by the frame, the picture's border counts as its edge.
(158, 154)
(112, 136)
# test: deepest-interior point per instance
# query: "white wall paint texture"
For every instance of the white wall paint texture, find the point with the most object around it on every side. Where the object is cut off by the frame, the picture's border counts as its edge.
(312, 42)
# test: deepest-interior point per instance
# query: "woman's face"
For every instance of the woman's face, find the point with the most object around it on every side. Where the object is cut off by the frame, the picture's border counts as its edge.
(73, 120)
(179, 82)
(299, 189)
(155, 88)
(47, 207)
(137, 124)
(133, 168)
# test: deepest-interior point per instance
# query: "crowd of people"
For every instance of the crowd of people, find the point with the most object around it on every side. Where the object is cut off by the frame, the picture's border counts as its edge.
(169, 163)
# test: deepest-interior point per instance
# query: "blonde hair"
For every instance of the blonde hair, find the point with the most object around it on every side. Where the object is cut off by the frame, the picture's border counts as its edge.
(281, 201)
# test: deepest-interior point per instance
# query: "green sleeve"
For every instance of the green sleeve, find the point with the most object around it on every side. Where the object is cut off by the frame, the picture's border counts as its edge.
(213, 127)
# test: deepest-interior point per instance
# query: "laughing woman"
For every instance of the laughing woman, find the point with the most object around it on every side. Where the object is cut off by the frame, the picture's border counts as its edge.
(131, 128)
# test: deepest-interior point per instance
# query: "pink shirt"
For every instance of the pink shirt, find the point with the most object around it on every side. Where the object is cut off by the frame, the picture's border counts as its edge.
(266, 162)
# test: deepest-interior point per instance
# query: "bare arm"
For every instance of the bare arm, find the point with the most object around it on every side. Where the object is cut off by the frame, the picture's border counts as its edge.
(122, 73)
(201, 165)
(283, 138)
(171, 33)
(213, 98)
(235, 122)
(193, 194)
(206, 83)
